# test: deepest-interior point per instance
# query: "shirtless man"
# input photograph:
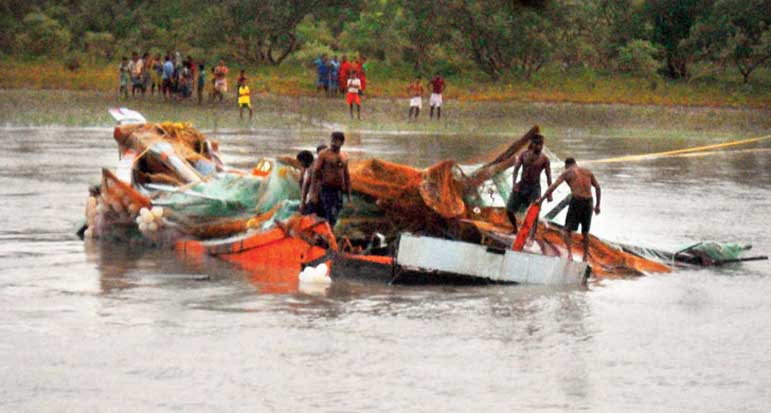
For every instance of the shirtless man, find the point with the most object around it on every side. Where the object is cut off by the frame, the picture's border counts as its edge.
(580, 181)
(331, 177)
(528, 189)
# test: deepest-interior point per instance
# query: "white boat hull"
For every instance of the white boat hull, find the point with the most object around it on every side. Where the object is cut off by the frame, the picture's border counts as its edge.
(440, 256)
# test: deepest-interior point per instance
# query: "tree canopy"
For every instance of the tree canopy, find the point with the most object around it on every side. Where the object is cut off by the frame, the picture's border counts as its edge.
(496, 37)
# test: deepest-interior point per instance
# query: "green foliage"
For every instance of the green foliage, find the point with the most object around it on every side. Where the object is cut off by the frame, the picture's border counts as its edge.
(638, 57)
(100, 44)
(735, 31)
(497, 38)
(42, 34)
(672, 21)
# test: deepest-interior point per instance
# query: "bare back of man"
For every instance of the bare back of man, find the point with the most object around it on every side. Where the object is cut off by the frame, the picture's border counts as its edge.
(580, 180)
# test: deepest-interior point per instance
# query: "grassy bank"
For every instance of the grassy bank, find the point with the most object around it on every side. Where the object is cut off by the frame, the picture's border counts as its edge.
(549, 85)
(472, 118)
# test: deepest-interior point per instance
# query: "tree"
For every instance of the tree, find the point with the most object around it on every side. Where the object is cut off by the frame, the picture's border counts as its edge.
(264, 31)
(735, 31)
(42, 34)
(672, 21)
(501, 35)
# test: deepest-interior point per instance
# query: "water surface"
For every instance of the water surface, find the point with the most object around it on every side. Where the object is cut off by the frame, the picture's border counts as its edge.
(107, 327)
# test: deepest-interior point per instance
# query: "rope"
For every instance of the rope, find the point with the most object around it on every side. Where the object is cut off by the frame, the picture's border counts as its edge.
(678, 151)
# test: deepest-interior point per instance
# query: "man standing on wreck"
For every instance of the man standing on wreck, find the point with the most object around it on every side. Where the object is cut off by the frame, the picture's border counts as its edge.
(533, 161)
(580, 181)
(331, 176)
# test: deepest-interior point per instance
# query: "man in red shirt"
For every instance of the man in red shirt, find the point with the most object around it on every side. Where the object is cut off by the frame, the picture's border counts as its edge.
(359, 67)
(437, 88)
(345, 68)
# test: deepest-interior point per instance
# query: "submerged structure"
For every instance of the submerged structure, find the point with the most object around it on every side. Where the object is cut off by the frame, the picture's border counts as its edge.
(445, 223)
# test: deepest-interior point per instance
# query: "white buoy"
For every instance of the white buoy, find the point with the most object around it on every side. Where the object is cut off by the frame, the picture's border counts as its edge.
(144, 213)
(316, 275)
(157, 212)
(152, 227)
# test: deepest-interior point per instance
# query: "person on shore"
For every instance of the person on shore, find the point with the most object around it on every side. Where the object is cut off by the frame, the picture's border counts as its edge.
(244, 97)
(156, 75)
(332, 178)
(146, 69)
(532, 161)
(308, 197)
(138, 76)
(360, 66)
(185, 82)
(192, 66)
(333, 81)
(344, 74)
(580, 180)
(352, 96)
(220, 80)
(322, 72)
(437, 88)
(415, 90)
(213, 84)
(123, 78)
(133, 72)
(175, 78)
(166, 78)
(201, 83)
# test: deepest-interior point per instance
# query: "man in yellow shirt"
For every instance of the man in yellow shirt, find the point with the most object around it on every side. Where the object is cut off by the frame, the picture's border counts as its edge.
(244, 98)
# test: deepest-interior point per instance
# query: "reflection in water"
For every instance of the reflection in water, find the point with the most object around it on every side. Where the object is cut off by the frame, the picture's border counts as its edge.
(81, 320)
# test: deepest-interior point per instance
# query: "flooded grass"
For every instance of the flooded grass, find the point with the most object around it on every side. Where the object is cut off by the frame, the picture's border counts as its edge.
(89, 109)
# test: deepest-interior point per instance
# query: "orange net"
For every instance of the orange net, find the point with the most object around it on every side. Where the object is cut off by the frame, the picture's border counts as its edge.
(431, 202)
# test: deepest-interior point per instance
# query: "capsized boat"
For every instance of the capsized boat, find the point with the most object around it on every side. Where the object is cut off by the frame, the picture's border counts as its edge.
(171, 189)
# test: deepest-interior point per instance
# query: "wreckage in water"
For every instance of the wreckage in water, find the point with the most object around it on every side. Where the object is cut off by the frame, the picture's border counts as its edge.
(172, 190)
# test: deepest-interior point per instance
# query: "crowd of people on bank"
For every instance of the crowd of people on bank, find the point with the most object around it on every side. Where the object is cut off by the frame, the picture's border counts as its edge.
(171, 77)
(175, 78)
(335, 76)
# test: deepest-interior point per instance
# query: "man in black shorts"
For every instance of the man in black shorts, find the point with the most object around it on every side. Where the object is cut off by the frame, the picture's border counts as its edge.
(580, 181)
(533, 161)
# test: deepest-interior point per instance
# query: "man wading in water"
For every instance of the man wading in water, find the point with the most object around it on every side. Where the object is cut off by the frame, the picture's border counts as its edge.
(580, 181)
(331, 176)
(528, 189)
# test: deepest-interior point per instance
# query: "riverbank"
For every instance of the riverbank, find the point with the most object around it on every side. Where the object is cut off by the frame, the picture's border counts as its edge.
(89, 109)
(550, 85)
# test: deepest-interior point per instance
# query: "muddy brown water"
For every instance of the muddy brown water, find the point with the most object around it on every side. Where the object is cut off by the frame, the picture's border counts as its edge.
(107, 327)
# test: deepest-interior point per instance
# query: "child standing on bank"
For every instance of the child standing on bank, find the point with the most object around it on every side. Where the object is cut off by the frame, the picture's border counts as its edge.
(244, 97)
(123, 78)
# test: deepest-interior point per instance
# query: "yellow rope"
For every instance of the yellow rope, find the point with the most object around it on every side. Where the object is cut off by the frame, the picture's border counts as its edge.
(677, 151)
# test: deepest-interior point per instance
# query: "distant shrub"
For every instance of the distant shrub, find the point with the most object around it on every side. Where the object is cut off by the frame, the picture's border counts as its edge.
(101, 44)
(72, 62)
(308, 54)
(42, 35)
(637, 57)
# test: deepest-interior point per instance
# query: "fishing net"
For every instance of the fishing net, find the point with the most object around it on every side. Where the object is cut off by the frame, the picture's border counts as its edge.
(228, 194)
(413, 200)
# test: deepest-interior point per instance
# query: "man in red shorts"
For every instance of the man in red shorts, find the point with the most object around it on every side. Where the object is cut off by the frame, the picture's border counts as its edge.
(352, 96)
